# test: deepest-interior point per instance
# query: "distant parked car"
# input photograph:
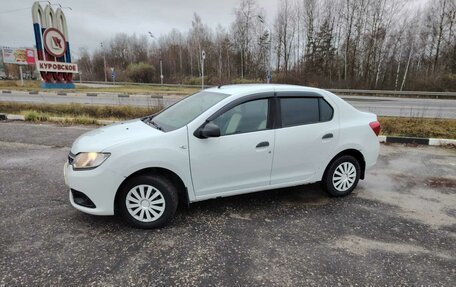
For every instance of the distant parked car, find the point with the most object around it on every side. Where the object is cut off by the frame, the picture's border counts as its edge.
(220, 142)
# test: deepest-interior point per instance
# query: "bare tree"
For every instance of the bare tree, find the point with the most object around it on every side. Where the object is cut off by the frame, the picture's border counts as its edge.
(381, 44)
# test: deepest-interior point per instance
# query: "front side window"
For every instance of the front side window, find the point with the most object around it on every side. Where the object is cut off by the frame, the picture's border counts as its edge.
(304, 110)
(185, 111)
(244, 118)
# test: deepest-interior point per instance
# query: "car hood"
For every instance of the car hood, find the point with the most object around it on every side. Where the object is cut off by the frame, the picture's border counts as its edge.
(100, 139)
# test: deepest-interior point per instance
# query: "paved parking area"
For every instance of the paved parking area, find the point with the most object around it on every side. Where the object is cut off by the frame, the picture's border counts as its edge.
(397, 228)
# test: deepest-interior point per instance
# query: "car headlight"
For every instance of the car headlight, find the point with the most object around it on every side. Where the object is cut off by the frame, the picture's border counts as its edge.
(88, 160)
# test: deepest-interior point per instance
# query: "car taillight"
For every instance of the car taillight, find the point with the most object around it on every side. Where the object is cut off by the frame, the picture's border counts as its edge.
(375, 127)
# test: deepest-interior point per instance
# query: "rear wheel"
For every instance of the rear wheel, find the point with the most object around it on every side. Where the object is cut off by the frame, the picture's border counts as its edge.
(342, 176)
(147, 201)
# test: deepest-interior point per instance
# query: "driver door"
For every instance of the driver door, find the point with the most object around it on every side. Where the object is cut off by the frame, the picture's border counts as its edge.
(240, 159)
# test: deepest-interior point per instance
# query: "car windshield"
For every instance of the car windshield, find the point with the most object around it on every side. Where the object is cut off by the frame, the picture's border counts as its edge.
(185, 111)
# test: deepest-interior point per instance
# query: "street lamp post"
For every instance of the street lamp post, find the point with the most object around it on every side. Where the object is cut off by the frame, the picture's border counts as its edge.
(203, 57)
(104, 63)
(161, 71)
(269, 71)
(161, 62)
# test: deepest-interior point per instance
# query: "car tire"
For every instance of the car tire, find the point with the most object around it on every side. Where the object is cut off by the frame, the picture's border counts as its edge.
(342, 176)
(147, 201)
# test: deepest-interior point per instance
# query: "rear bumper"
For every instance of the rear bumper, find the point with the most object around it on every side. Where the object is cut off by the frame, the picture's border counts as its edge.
(99, 185)
(371, 153)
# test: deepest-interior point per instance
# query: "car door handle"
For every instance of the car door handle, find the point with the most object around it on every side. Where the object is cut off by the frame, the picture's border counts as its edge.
(262, 144)
(328, 136)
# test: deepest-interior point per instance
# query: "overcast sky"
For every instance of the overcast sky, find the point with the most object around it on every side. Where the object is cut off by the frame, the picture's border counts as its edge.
(90, 22)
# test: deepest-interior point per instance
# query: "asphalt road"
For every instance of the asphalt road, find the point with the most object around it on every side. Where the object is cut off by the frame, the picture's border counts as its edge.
(383, 106)
(397, 228)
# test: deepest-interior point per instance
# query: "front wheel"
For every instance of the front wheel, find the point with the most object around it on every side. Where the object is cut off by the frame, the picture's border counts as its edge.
(342, 176)
(147, 201)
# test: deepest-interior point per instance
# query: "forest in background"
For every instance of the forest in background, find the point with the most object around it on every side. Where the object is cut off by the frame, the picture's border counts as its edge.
(360, 44)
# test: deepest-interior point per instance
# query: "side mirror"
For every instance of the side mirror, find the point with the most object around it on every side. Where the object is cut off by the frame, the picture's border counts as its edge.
(208, 130)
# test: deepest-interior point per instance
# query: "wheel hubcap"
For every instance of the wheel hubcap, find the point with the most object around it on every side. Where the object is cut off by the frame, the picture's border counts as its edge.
(145, 203)
(344, 176)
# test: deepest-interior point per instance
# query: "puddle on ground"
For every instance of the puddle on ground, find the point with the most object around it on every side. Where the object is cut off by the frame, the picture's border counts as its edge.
(420, 182)
(415, 201)
(306, 197)
(363, 246)
(437, 182)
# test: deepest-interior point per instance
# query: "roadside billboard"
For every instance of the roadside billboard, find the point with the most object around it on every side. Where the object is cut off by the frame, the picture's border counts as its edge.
(21, 56)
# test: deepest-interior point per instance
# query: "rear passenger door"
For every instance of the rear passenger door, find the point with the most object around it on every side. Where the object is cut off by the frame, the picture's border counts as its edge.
(306, 132)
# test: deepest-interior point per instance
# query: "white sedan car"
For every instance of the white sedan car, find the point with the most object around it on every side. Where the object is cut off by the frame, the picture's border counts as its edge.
(220, 142)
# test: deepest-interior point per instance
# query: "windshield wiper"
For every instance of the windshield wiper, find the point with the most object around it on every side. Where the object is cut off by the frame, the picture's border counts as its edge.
(155, 125)
(149, 120)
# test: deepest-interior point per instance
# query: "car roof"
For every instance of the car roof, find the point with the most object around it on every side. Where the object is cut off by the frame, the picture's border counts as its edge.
(252, 88)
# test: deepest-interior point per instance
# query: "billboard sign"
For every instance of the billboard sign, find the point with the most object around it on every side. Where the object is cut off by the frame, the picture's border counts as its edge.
(21, 56)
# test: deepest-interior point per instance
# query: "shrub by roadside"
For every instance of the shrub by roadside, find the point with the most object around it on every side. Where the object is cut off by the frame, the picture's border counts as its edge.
(34, 116)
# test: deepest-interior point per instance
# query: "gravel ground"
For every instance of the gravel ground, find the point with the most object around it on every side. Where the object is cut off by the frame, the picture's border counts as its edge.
(397, 228)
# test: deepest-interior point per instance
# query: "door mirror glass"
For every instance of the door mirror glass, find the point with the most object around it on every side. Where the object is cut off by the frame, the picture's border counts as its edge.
(209, 130)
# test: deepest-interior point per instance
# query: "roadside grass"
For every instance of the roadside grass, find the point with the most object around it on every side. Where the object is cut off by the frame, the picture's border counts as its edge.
(76, 110)
(68, 114)
(126, 89)
(79, 120)
(34, 116)
(418, 127)
(16, 85)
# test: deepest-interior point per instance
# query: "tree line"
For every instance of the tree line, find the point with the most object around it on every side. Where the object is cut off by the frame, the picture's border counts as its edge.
(372, 44)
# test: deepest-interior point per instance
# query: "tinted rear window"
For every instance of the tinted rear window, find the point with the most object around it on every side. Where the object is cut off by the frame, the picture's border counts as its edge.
(302, 111)
(299, 111)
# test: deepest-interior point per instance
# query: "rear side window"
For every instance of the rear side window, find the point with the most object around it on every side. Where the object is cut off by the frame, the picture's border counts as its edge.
(326, 111)
(305, 110)
(299, 111)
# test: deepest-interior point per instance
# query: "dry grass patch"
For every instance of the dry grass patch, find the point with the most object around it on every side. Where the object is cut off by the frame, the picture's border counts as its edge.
(418, 127)
(76, 110)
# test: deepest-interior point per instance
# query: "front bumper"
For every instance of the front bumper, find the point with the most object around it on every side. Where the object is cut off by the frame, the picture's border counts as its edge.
(99, 185)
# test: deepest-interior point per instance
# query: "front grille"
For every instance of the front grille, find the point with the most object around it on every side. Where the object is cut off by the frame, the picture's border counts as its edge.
(70, 158)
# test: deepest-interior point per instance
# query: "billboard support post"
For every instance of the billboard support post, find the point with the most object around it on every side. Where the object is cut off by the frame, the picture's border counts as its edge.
(22, 76)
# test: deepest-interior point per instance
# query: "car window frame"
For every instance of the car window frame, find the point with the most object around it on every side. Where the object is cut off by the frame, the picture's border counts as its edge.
(293, 94)
(270, 122)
